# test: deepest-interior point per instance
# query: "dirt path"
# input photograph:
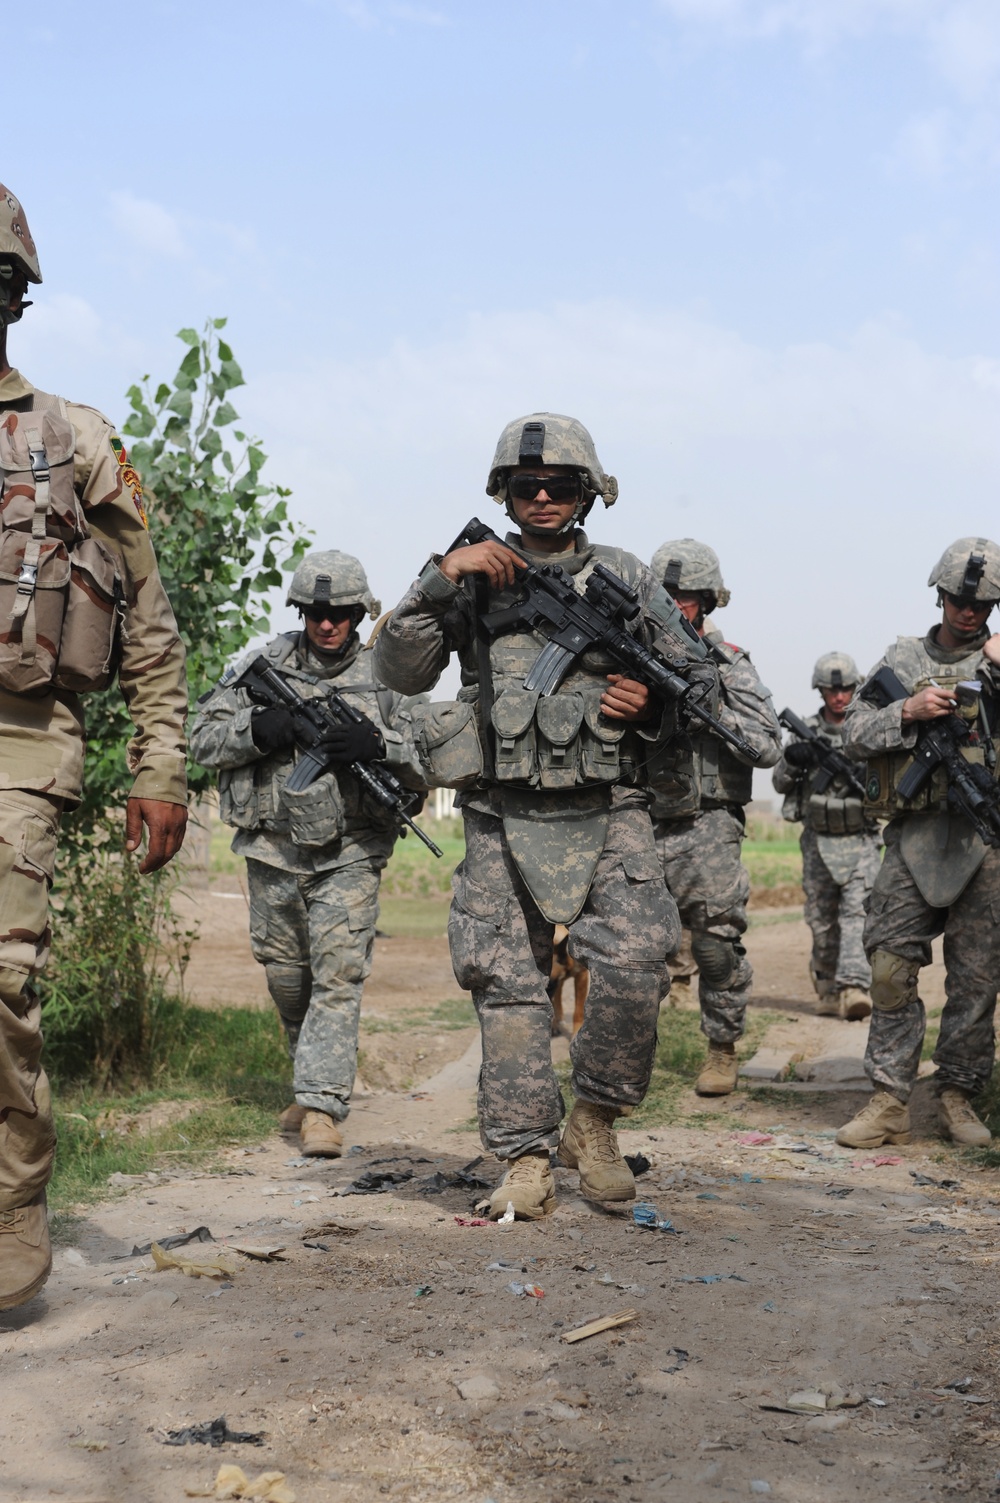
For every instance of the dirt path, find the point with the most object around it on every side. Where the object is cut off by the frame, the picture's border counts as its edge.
(824, 1271)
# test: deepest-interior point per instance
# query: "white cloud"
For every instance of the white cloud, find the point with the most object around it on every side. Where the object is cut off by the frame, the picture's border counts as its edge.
(147, 226)
(962, 37)
(828, 476)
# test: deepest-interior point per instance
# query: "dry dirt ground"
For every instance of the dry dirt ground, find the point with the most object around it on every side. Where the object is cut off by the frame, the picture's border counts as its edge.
(360, 1355)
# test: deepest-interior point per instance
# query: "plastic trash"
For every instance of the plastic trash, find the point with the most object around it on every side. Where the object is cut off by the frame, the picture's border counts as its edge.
(507, 1219)
(711, 1278)
(681, 1359)
(638, 1163)
(376, 1182)
(232, 1482)
(939, 1184)
(180, 1239)
(472, 1220)
(707, 1195)
(648, 1217)
(937, 1229)
(753, 1139)
(422, 1290)
(210, 1268)
(213, 1433)
(531, 1290)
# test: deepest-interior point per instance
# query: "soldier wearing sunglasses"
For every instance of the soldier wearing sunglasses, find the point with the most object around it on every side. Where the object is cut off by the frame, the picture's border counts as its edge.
(556, 809)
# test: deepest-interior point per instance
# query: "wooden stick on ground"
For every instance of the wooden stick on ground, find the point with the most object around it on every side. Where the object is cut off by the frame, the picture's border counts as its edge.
(606, 1323)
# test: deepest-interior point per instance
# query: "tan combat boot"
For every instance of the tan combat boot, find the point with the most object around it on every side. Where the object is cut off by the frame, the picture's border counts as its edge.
(320, 1138)
(827, 1001)
(528, 1186)
(883, 1120)
(853, 1003)
(590, 1145)
(291, 1119)
(25, 1252)
(959, 1121)
(718, 1073)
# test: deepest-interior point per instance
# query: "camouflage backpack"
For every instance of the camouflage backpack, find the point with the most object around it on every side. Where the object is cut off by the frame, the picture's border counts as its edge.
(61, 595)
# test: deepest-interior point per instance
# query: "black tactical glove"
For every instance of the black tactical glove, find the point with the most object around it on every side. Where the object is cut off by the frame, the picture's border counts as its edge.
(272, 728)
(352, 742)
(801, 755)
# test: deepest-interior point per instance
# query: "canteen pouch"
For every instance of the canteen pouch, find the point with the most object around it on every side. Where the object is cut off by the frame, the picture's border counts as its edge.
(447, 741)
(34, 583)
(89, 652)
(315, 814)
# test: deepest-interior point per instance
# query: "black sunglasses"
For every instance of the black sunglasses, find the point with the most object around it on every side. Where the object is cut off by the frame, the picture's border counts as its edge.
(556, 487)
(968, 602)
(318, 613)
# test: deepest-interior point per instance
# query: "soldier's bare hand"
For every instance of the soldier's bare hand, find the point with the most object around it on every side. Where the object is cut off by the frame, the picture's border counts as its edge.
(165, 824)
(626, 699)
(929, 704)
(492, 559)
(991, 648)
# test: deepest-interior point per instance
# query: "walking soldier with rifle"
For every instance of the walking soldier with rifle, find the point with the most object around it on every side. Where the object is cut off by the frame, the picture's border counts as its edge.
(576, 667)
(928, 722)
(840, 839)
(703, 786)
(312, 753)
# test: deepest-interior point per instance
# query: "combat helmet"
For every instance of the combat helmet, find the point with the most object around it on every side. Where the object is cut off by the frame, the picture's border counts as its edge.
(17, 253)
(333, 578)
(693, 568)
(550, 438)
(836, 670)
(969, 569)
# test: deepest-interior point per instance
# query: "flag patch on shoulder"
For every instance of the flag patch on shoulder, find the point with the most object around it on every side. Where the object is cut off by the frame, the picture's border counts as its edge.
(130, 477)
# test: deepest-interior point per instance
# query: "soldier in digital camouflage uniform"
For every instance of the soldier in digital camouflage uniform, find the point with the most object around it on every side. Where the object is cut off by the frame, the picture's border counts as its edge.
(938, 876)
(68, 488)
(314, 858)
(557, 824)
(840, 845)
(701, 789)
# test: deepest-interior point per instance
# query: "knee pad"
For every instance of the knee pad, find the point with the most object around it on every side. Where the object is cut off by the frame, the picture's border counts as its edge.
(290, 987)
(894, 981)
(718, 959)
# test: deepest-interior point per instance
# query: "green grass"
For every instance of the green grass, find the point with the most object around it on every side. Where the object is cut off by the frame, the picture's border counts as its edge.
(231, 1063)
(773, 863)
(449, 1016)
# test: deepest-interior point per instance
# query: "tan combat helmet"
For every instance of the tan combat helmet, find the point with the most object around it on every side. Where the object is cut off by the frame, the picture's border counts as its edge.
(17, 253)
(693, 568)
(969, 569)
(836, 670)
(550, 438)
(333, 578)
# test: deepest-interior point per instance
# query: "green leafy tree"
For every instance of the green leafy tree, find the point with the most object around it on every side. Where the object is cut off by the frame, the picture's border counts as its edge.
(223, 538)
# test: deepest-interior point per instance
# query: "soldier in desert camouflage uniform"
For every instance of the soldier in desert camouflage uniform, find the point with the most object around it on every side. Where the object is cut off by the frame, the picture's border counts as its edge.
(938, 876)
(840, 848)
(314, 858)
(557, 826)
(68, 488)
(701, 789)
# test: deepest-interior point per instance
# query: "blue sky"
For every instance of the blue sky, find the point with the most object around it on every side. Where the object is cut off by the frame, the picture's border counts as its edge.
(751, 243)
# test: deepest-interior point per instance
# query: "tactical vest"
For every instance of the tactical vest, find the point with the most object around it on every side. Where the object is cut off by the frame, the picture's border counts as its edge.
(61, 595)
(835, 811)
(253, 796)
(556, 741)
(697, 772)
(915, 668)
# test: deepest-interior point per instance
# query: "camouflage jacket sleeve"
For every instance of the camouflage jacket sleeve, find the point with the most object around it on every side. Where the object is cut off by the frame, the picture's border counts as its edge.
(869, 731)
(784, 778)
(220, 736)
(746, 707)
(417, 639)
(663, 631)
(152, 675)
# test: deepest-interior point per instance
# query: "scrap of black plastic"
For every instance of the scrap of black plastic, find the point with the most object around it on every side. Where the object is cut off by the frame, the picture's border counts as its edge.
(939, 1184)
(180, 1239)
(374, 1184)
(464, 1179)
(840, 1192)
(937, 1229)
(680, 1357)
(213, 1433)
(638, 1163)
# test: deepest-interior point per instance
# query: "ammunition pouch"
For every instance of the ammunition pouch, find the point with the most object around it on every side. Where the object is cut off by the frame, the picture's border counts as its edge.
(447, 741)
(61, 594)
(827, 815)
(315, 814)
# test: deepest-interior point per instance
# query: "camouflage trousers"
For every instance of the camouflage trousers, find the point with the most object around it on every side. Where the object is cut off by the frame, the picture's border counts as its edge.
(835, 911)
(314, 936)
(902, 922)
(701, 864)
(28, 826)
(501, 950)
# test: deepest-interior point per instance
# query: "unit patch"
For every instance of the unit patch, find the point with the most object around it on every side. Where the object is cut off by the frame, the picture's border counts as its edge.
(130, 477)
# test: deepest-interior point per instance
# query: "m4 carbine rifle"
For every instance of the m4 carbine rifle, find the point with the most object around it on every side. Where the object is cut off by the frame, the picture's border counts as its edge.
(971, 789)
(313, 718)
(830, 762)
(574, 624)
